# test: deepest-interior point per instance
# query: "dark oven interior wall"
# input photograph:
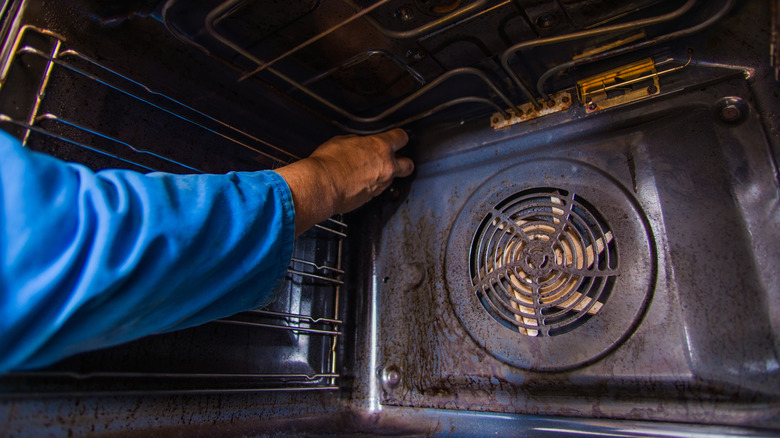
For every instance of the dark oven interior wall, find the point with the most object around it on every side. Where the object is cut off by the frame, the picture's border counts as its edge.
(398, 244)
(686, 171)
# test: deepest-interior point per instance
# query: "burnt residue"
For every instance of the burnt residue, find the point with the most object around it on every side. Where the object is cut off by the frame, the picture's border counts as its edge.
(631, 167)
(646, 376)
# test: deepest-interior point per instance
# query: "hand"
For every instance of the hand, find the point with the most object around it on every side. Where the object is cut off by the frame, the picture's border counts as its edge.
(344, 173)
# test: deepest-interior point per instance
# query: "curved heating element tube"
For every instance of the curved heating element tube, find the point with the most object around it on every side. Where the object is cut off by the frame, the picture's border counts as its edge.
(661, 39)
(312, 39)
(436, 109)
(579, 35)
(362, 57)
(428, 27)
(213, 17)
(226, 8)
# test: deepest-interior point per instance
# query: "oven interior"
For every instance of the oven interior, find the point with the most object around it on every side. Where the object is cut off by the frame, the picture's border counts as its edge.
(588, 244)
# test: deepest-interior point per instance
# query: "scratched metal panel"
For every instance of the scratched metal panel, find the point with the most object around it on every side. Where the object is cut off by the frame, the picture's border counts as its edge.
(693, 176)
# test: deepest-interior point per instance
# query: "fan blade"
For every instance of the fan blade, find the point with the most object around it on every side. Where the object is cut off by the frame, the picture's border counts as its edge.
(579, 307)
(599, 247)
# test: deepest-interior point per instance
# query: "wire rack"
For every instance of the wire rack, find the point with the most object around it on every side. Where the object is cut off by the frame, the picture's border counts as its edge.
(289, 345)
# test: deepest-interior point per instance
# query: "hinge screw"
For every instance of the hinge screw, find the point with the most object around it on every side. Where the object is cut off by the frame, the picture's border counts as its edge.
(730, 113)
(390, 378)
(404, 14)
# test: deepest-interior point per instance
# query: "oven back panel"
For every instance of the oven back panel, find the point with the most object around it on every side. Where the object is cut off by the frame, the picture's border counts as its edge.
(675, 186)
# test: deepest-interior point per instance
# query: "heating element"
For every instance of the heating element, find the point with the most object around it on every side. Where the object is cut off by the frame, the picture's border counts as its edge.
(393, 68)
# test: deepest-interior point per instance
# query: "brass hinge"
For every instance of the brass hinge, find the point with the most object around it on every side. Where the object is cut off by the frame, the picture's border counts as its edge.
(622, 85)
(619, 86)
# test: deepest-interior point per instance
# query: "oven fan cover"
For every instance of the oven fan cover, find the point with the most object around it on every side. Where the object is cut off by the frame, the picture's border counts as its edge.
(550, 265)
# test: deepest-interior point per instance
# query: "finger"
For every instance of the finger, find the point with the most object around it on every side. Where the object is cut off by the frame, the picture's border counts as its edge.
(397, 138)
(345, 136)
(403, 166)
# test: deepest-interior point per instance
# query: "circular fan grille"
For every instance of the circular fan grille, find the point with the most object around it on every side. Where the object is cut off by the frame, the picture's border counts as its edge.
(543, 262)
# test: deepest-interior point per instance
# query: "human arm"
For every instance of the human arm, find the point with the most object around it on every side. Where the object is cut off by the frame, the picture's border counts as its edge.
(95, 259)
(91, 259)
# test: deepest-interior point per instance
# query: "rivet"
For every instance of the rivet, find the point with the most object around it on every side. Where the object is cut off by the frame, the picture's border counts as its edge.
(415, 53)
(391, 377)
(730, 113)
(404, 14)
(546, 21)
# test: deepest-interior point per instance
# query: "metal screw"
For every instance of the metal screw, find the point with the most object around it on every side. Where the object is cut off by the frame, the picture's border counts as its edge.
(652, 89)
(415, 53)
(404, 14)
(551, 103)
(592, 106)
(730, 113)
(565, 99)
(546, 21)
(390, 378)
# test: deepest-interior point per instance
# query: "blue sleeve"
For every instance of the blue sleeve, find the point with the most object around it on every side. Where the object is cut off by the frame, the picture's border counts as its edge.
(91, 259)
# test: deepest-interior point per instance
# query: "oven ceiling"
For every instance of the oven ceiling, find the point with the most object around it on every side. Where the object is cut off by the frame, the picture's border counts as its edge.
(370, 66)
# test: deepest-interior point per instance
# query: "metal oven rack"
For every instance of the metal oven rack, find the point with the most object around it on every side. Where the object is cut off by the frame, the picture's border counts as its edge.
(288, 346)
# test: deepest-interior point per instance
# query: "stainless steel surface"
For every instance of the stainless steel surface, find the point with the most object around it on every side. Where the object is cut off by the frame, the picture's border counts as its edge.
(379, 328)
